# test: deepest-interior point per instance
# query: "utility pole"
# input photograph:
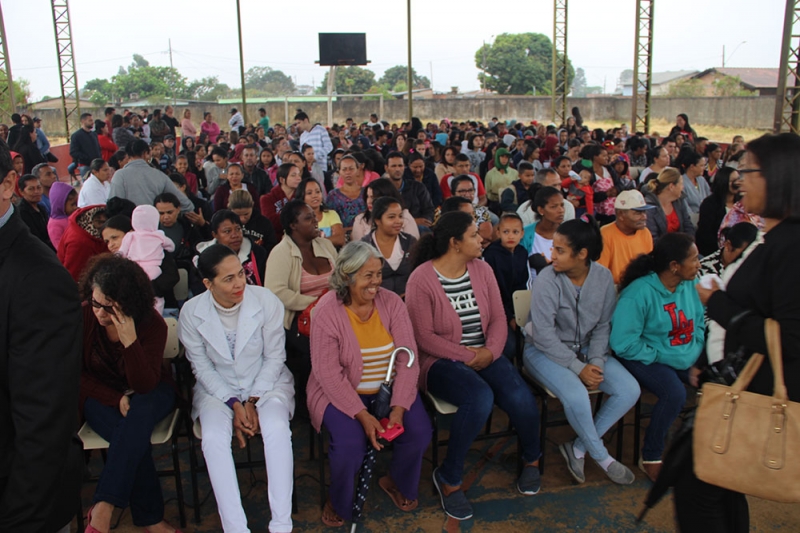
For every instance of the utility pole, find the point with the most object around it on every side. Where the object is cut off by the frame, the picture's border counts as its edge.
(5, 66)
(410, 76)
(483, 80)
(723, 56)
(560, 83)
(241, 61)
(642, 66)
(171, 73)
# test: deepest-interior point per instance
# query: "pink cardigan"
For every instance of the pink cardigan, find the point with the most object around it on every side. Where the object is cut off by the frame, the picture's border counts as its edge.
(336, 363)
(436, 324)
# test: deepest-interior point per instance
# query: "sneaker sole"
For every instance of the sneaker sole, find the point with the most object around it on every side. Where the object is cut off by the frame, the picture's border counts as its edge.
(529, 493)
(565, 454)
(441, 498)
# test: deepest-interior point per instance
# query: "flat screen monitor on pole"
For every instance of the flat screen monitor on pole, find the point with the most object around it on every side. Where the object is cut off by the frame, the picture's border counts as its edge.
(342, 49)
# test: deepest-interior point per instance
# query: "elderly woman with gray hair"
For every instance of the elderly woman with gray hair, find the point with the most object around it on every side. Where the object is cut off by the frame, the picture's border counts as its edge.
(355, 329)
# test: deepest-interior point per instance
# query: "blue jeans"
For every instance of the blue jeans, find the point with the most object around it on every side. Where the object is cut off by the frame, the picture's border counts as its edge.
(618, 384)
(668, 386)
(510, 349)
(129, 475)
(475, 393)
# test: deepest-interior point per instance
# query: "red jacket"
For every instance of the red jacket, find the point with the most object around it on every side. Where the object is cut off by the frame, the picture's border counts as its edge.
(107, 147)
(77, 245)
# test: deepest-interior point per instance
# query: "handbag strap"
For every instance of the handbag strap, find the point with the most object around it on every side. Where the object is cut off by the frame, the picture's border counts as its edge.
(772, 331)
(747, 373)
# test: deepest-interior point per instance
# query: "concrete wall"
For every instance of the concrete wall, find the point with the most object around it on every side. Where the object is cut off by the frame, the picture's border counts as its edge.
(739, 112)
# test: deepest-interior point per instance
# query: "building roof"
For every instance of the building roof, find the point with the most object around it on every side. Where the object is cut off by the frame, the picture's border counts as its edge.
(659, 78)
(55, 103)
(752, 78)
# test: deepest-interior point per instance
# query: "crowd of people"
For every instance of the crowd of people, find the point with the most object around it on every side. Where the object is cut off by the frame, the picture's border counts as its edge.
(313, 253)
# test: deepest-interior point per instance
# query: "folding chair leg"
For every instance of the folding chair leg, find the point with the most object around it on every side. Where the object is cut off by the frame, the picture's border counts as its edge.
(193, 467)
(321, 462)
(637, 429)
(176, 464)
(543, 432)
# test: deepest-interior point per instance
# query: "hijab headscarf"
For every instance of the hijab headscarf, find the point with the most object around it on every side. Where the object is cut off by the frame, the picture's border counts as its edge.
(497, 164)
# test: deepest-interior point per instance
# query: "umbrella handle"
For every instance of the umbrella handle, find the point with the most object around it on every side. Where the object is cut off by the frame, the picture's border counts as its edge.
(392, 358)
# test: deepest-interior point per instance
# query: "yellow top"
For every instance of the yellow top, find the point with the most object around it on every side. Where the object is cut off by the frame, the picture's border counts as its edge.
(376, 348)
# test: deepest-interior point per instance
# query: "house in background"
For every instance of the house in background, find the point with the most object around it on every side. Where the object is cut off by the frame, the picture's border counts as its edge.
(659, 85)
(55, 103)
(763, 81)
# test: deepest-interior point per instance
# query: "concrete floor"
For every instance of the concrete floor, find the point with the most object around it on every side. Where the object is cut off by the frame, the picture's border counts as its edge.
(597, 506)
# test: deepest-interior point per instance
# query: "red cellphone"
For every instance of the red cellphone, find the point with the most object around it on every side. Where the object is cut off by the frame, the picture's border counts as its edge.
(390, 434)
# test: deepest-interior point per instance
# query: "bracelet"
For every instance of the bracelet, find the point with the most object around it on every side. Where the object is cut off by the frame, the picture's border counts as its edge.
(253, 400)
(231, 402)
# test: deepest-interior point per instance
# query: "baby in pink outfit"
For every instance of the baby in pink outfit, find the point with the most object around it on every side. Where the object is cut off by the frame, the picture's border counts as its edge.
(146, 244)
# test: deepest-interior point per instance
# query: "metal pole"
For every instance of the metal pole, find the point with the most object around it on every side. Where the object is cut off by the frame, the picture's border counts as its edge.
(483, 80)
(286, 111)
(241, 62)
(783, 71)
(331, 85)
(6, 63)
(172, 73)
(380, 107)
(410, 77)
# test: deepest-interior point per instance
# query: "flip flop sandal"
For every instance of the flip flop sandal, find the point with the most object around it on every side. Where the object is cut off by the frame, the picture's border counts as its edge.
(338, 522)
(397, 497)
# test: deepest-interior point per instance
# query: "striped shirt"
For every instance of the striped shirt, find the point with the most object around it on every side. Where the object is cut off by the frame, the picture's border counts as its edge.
(376, 346)
(462, 298)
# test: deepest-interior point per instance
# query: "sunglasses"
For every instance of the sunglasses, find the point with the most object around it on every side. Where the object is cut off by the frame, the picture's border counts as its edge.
(107, 308)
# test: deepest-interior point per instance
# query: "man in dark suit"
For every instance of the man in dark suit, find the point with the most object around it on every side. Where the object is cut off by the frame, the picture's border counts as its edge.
(40, 362)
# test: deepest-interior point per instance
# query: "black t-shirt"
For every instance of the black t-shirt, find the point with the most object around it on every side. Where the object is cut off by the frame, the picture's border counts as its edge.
(172, 123)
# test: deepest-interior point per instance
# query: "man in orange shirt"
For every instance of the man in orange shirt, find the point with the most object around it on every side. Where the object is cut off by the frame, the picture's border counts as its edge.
(628, 237)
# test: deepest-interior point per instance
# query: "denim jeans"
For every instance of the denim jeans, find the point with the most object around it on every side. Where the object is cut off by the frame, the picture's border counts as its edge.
(475, 393)
(129, 476)
(668, 386)
(510, 349)
(621, 388)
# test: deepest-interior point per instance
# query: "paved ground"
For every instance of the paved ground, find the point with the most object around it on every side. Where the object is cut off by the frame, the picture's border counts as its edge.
(596, 506)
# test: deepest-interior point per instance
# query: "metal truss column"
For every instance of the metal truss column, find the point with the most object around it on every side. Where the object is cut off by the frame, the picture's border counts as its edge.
(787, 102)
(66, 65)
(642, 66)
(7, 106)
(559, 87)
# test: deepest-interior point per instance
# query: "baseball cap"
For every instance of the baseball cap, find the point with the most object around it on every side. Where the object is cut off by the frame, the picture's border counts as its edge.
(631, 200)
(37, 119)
(233, 110)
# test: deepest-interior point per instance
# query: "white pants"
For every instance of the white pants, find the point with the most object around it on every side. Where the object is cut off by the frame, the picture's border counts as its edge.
(217, 423)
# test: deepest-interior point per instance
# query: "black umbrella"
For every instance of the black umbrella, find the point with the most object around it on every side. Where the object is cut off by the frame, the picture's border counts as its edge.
(379, 408)
(676, 462)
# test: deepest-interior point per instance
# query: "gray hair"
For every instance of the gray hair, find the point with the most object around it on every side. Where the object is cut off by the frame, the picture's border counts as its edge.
(350, 260)
(541, 175)
(38, 168)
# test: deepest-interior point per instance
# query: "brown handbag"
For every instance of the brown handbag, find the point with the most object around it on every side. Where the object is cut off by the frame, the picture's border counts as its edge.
(748, 442)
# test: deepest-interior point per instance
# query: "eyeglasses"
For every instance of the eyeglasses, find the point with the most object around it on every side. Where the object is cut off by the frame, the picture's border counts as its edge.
(107, 308)
(748, 170)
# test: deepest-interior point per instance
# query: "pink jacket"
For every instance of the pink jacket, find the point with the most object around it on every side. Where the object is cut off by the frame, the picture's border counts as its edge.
(436, 324)
(336, 363)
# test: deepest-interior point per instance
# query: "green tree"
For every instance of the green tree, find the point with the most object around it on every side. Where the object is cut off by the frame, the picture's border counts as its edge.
(517, 62)
(349, 80)
(22, 91)
(208, 89)
(268, 82)
(686, 89)
(731, 86)
(399, 74)
(99, 91)
(579, 84)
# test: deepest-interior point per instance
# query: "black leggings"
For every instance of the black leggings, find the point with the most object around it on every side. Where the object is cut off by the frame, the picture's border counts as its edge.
(704, 508)
(298, 361)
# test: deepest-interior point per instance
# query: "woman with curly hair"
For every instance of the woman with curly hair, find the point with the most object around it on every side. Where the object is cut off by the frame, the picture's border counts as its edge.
(123, 392)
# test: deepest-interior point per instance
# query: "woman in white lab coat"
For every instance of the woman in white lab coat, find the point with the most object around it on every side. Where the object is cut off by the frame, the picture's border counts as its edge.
(234, 338)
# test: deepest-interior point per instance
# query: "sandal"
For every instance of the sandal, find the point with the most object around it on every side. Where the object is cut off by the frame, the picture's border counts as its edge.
(402, 503)
(333, 519)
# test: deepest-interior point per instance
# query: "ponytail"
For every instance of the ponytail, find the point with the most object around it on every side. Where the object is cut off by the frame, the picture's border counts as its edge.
(671, 247)
(583, 233)
(433, 245)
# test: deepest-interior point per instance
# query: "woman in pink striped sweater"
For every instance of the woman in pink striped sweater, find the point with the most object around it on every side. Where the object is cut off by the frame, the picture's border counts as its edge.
(460, 326)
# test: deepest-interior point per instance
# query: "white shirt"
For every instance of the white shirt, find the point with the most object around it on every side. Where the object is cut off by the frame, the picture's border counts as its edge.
(235, 121)
(93, 192)
(528, 217)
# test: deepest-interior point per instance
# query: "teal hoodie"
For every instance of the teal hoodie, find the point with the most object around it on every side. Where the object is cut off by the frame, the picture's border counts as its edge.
(653, 325)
